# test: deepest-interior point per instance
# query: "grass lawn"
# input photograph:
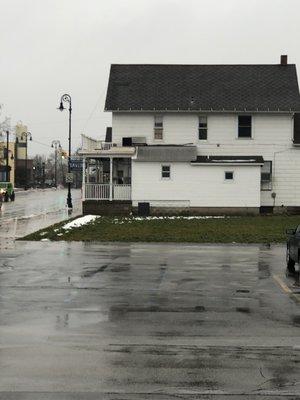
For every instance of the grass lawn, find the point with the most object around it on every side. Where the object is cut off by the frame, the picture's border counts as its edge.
(260, 229)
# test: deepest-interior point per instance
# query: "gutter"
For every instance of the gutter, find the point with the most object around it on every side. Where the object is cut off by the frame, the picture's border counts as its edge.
(215, 164)
(211, 111)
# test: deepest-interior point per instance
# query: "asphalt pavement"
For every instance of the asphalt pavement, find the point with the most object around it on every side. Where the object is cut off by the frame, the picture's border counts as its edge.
(141, 321)
(147, 321)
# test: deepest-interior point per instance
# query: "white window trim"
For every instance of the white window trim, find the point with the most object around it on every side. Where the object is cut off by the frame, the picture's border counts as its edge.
(202, 140)
(229, 180)
(252, 128)
(161, 171)
(162, 128)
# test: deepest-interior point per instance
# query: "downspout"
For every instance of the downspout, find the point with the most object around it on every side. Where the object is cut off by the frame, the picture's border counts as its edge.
(83, 179)
(274, 169)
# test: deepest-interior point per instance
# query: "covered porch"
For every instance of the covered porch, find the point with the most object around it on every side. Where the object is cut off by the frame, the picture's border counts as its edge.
(106, 178)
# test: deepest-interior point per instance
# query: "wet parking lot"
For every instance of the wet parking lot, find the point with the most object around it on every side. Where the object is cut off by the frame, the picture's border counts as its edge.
(148, 321)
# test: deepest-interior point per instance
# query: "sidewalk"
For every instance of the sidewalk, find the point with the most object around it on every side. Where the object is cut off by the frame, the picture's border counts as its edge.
(19, 191)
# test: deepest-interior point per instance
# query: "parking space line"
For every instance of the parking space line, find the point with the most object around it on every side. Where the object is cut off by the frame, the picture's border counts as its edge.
(285, 288)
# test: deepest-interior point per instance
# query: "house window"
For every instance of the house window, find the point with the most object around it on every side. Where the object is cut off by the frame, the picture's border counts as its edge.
(228, 175)
(266, 176)
(245, 126)
(165, 171)
(158, 127)
(202, 127)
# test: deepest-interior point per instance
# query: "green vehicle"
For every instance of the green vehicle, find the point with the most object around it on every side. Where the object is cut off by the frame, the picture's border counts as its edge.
(7, 191)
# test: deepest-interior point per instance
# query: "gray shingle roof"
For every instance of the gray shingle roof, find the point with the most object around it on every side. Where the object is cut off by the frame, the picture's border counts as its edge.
(203, 87)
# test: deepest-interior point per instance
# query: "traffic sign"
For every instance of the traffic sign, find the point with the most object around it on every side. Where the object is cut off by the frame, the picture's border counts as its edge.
(69, 177)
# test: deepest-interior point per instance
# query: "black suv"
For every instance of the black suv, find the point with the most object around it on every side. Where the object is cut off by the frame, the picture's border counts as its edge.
(293, 249)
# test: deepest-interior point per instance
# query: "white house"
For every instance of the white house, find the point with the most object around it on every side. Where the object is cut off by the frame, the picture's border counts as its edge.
(206, 139)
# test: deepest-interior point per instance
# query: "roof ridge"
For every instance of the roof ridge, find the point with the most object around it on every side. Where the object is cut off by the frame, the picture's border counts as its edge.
(199, 65)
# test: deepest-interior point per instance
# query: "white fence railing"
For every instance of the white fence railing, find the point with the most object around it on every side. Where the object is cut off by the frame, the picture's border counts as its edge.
(99, 191)
(89, 144)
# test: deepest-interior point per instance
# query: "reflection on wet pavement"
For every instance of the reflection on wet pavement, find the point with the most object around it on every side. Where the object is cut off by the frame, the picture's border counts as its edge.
(147, 321)
(34, 210)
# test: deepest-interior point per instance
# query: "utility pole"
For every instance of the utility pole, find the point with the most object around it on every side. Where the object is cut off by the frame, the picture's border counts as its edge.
(43, 174)
(67, 98)
(7, 157)
(56, 144)
(26, 135)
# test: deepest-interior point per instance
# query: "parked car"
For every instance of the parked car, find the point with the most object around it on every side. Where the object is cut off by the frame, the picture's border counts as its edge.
(293, 249)
(7, 191)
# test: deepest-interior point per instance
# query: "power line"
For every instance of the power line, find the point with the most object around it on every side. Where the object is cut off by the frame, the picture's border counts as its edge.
(43, 144)
(94, 109)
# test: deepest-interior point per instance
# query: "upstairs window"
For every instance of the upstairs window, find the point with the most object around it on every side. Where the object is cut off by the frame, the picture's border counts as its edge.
(245, 126)
(202, 127)
(158, 127)
(165, 172)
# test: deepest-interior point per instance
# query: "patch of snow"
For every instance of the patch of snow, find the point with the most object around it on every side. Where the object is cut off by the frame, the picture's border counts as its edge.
(78, 222)
(174, 217)
(59, 234)
(44, 240)
(43, 233)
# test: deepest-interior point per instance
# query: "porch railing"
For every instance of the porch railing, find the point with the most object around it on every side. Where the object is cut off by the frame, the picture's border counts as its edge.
(102, 145)
(121, 192)
(90, 144)
(106, 191)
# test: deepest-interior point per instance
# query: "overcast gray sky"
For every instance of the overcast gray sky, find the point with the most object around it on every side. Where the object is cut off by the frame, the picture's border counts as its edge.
(51, 47)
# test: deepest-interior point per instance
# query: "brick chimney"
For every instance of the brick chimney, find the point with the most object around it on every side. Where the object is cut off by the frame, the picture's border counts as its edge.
(283, 60)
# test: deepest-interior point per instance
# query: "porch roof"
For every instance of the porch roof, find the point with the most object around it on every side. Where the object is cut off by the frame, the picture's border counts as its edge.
(111, 152)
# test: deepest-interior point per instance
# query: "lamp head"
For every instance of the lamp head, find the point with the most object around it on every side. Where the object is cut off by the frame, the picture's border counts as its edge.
(61, 106)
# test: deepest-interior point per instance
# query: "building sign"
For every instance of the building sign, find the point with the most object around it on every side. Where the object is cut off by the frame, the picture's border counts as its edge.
(76, 164)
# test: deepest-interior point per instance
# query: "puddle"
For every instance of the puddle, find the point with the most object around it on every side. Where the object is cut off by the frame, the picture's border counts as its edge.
(200, 308)
(263, 270)
(91, 272)
(296, 320)
(242, 291)
(245, 310)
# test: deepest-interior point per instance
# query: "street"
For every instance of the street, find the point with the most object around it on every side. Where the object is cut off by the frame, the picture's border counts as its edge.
(147, 321)
(33, 210)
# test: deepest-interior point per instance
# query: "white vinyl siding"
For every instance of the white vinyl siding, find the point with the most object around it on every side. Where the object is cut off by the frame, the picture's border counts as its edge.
(196, 186)
(271, 138)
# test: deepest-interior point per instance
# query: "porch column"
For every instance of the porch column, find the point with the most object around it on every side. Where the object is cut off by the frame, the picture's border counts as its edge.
(111, 179)
(83, 179)
(87, 171)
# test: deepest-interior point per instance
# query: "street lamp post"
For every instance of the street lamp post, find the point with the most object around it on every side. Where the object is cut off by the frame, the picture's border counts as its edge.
(7, 162)
(43, 175)
(25, 136)
(56, 144)
(66, 98)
